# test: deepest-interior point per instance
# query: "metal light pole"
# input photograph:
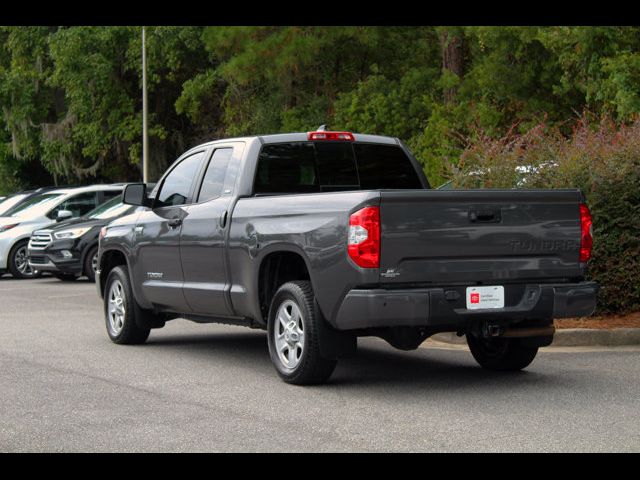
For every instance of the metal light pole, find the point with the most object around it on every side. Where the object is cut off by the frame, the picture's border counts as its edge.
(145, 136)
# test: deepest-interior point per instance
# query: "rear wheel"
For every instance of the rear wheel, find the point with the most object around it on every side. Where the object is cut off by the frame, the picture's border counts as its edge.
(293, 336)
(18, 262)
(121, 310)
(91, 264)
(504, 354)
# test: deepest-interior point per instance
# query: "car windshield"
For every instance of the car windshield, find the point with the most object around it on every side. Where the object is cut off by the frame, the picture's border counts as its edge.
(34, 204)
(110, 208)
(8, 203)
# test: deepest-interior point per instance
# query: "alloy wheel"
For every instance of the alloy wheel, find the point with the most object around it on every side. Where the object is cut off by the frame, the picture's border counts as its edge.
(117, 308)
(21, 262)
(94, 262)
(289, 334)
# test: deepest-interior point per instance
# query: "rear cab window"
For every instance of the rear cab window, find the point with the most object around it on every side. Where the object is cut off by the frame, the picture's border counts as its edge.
(313, 167)
(385, 167)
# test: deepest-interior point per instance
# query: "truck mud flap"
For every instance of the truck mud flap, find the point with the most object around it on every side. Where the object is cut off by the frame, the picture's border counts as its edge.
(334, 343)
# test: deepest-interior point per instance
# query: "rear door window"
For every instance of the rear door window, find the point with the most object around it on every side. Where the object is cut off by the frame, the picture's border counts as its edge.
(214, 178)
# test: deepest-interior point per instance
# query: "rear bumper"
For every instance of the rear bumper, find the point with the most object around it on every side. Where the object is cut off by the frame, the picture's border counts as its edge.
(444, 307)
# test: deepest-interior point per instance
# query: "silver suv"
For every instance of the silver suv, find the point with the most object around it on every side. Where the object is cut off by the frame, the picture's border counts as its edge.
(40, 211)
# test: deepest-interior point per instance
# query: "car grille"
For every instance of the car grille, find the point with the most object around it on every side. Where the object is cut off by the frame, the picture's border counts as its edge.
(38, 260)
(39, 240)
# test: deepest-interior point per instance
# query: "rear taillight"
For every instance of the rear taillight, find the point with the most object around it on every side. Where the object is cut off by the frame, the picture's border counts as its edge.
(586, 234)
(364, 237)
(344, 136)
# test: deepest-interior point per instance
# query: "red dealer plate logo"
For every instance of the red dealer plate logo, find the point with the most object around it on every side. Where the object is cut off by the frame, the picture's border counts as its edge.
(475, 298)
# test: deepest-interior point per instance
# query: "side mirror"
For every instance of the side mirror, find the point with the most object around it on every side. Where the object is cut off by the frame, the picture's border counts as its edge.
(136, 194)
(63, 215)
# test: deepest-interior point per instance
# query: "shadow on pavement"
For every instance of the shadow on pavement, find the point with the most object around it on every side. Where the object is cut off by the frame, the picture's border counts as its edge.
(375, 364)
(45, 279)
(56, 281)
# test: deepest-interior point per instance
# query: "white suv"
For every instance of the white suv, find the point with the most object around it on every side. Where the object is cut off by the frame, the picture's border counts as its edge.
(40, 211)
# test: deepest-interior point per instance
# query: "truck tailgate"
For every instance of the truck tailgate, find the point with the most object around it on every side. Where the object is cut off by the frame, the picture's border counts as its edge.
(469, 236)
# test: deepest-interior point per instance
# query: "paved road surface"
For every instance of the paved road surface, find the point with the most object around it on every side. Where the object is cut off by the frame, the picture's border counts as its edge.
(65, 387)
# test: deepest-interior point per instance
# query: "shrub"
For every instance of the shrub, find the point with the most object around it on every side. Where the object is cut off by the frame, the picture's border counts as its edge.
(601, 159)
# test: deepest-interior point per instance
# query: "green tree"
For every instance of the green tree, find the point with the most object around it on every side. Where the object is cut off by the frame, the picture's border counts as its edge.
(100, 122)
(71, 97)
(27, 101)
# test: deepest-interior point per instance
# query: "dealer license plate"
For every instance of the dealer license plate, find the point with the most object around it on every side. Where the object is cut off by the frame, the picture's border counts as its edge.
(485, 297)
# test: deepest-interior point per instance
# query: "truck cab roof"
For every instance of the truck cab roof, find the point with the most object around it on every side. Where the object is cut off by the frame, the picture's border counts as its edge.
(296, 137)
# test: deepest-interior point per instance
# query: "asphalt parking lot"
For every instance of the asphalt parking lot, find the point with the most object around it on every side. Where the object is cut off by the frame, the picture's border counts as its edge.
(65, 387)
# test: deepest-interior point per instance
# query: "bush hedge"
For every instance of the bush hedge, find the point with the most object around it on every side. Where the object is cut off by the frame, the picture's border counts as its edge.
(603, 160)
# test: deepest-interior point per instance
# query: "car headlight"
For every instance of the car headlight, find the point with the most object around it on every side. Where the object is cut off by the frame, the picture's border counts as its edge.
(71, 233)
(8, 227)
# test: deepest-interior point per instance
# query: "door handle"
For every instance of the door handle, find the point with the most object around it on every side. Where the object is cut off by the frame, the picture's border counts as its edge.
(485, 215)
(175, 222)
(223, 219)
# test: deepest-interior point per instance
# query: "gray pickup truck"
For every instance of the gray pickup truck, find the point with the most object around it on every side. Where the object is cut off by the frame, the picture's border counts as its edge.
(322, 237)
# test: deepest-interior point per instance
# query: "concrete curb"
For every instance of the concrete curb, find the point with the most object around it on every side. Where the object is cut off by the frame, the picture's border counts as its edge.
(572, 337)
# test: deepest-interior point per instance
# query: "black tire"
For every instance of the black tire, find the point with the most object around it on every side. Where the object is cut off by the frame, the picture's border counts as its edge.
(501, 354)
(14, 259)
(129, 332)
(87, 268)
(312, 367)
(66, 277)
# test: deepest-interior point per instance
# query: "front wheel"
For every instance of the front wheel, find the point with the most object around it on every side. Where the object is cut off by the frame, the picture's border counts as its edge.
(294, 338)
(91, 264)
(505, 354)
(19, 262)
(120, 310)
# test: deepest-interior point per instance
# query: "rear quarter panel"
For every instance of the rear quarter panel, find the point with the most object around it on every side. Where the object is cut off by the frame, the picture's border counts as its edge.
(312, 225)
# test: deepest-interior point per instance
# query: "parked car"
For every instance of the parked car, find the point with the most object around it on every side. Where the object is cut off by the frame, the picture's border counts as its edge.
(8, 202)
(323, 237)
(39, 211)
(16, 199)
(69, 249)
